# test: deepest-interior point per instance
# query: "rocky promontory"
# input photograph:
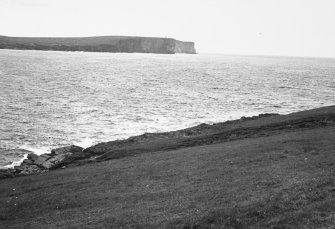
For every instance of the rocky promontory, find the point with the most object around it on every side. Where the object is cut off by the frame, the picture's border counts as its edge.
(114, 44)
(41, 163)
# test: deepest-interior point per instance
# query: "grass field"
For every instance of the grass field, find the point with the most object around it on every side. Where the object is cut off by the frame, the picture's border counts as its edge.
(282, 179)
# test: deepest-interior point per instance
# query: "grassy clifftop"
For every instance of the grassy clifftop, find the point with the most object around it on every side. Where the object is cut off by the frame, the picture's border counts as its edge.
(263, 172)
(99, 44)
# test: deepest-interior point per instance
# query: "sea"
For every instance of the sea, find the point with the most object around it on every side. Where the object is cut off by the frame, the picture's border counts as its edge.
(52, 99)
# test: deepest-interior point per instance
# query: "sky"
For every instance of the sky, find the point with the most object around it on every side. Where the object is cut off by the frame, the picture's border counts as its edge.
(253, 27)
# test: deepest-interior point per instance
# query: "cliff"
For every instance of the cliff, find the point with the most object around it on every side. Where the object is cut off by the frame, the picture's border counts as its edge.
(113, 44)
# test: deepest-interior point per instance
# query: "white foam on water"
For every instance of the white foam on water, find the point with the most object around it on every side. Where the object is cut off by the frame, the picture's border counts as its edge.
(85, 143)
(16, 163)
(36, 150)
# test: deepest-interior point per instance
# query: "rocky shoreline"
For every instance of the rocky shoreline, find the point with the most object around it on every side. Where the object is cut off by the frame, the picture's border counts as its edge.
(41, 163)
(203, 134)
(69, 156)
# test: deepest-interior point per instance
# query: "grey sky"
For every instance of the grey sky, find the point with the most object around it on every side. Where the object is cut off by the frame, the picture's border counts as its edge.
(266, 27)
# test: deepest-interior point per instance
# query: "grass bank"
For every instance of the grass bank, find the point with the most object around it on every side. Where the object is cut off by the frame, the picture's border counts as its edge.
(281, 176)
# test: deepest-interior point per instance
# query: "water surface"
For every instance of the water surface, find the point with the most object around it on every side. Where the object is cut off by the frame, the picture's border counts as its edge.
(51, 99)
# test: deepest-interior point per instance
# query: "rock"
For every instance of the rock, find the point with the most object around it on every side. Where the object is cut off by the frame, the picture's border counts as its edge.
(27, 162)
(58, 158)
(47, 164)
(25, 170)
(67, 149)
(32, 156)
(53, 161)
(41, 159)
(20, 168)
(71, 159)
(55, 158)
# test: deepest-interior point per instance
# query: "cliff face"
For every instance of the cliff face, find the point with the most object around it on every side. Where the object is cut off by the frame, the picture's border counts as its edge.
(184, 47)
(100, 44)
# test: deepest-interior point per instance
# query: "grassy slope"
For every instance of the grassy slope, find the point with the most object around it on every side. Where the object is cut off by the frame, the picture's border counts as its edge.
(282, 180)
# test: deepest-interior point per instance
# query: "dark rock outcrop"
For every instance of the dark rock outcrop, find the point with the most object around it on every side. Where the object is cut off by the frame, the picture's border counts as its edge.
(66, 150)
(40, 163)
(113, 44)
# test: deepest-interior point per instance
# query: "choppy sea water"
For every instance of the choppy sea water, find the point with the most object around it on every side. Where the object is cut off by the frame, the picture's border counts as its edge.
(51, 99)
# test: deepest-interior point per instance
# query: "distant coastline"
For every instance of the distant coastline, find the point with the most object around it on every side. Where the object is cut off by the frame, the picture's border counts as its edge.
(113, 44)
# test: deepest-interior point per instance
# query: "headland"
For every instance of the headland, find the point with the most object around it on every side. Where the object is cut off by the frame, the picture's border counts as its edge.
(113, 44)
